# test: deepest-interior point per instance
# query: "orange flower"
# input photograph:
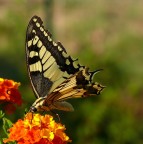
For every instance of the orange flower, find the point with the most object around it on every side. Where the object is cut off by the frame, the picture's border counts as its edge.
(9, 92)
(37, 129)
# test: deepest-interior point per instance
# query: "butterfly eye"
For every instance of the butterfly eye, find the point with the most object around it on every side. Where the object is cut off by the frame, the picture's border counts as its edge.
(33, 109)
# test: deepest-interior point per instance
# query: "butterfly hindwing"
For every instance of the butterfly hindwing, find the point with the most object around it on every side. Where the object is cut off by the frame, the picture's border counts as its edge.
(76, 86)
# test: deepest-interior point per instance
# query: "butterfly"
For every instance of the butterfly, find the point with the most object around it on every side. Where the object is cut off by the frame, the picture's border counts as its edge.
(55, 76)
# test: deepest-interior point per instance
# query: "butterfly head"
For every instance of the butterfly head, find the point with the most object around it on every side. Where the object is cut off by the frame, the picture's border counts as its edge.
(37, 105)
(33, 109)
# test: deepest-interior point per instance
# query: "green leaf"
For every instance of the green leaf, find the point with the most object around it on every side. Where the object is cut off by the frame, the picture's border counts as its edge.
(1, 141)
(1, 115)
(6, 125)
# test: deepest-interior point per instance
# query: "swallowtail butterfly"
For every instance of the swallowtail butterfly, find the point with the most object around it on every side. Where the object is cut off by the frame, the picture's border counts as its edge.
(54, 75)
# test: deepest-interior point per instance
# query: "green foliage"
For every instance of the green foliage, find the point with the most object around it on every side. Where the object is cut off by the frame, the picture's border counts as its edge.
(6, 125)
(1, 114)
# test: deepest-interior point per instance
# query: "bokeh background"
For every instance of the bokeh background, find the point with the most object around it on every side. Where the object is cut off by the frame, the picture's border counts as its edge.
(102, 34)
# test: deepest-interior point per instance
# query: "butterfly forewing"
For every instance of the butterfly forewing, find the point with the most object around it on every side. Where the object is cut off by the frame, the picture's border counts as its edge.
(47, 61)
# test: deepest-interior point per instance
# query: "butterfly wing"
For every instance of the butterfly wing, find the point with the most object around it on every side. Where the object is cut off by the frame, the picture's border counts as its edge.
(47, 61)
(76, 86)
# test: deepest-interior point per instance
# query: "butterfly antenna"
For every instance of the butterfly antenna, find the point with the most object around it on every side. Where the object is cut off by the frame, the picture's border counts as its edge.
(31, 118)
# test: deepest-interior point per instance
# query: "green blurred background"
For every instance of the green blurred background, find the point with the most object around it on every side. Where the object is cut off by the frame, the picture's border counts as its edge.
(104, 34)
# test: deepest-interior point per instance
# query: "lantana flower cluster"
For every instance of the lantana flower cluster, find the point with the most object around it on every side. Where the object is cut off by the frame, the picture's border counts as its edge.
(37, 129)
(9, 94)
